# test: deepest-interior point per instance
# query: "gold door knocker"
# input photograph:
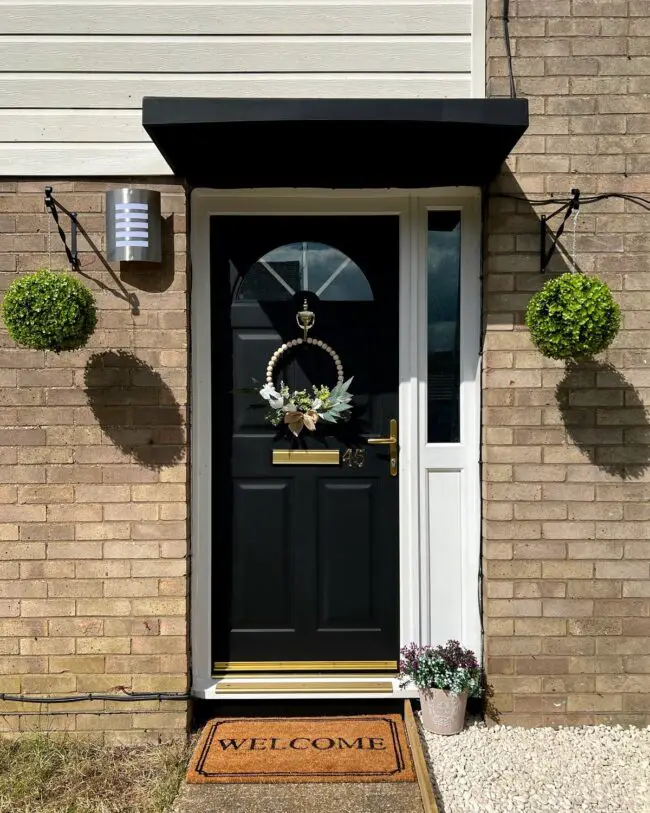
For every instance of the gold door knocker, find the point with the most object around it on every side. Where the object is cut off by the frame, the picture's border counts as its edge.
(305, 319)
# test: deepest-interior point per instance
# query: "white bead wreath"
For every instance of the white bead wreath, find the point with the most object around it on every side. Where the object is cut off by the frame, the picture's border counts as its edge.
(300, 409)
(294, 343)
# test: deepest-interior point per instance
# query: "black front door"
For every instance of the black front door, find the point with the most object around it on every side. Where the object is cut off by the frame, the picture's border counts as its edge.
(306, 564)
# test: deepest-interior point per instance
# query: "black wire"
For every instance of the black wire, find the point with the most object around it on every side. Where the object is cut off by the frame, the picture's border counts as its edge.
(506, 39)
(569, 205)
(78, 698)
(637, 199)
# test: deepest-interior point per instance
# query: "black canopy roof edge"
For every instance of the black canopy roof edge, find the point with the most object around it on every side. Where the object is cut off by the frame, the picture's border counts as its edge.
(344, 143)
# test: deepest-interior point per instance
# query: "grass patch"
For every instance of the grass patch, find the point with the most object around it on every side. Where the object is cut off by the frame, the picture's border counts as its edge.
(39, 774)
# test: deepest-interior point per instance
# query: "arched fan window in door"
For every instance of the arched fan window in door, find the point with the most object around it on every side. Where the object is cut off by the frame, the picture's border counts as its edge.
(315, 267)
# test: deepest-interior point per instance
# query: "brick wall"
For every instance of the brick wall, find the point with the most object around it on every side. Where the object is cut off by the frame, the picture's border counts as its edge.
(567, 449)
(93, 470)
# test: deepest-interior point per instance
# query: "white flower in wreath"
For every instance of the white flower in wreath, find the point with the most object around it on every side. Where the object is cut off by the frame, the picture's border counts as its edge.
(270, 394)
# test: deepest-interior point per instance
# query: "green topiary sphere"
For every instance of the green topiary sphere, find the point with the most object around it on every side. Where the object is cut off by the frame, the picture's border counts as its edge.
(49, 310)
(573, 316)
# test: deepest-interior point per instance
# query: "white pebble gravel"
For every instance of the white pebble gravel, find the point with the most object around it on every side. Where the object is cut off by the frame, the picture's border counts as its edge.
(500, 769)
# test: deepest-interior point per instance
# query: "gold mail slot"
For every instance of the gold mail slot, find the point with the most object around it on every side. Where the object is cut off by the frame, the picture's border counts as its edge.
(306, 457)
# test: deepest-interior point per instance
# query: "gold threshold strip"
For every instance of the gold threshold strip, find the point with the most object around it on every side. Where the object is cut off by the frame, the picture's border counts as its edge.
(305, 666)
(251, 687)
(257, 676)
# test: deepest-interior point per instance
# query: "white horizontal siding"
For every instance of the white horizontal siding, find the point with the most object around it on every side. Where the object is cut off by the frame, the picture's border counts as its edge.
(71, 125)
(235, 18)
(126, 90)
(74, 159)
(73, 74)
(235, 54)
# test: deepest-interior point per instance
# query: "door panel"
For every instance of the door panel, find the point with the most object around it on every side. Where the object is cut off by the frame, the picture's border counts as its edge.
(306, 564)
(345, 565)
(251, 351)
(262, 511)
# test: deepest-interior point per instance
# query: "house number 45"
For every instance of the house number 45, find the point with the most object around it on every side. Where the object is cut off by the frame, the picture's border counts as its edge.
(354, 458)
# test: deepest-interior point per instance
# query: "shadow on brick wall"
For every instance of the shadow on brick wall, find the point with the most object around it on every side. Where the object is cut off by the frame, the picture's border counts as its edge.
(154, 277)
(512, 251)
(605, 417)
(135, 408)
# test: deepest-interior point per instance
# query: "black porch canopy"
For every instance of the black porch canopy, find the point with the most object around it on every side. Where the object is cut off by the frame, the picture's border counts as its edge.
(334, 143)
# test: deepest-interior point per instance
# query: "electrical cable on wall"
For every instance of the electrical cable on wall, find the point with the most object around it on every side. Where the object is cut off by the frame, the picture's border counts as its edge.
(506, 39)
(644, 202)
(570, 207)
(126, 697)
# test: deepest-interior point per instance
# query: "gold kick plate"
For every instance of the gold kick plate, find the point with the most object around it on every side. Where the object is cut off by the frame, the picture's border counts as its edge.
(393, 441)
(306, 457)
(305, 666)
(241, 687)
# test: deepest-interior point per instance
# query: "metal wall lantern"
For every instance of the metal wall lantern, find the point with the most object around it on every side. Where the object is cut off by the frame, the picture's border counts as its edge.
(133, 226)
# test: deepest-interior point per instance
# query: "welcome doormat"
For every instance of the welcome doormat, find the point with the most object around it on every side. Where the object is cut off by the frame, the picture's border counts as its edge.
(303, 749)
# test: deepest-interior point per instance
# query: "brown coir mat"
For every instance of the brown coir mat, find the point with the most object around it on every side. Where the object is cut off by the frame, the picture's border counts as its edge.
(303, 749)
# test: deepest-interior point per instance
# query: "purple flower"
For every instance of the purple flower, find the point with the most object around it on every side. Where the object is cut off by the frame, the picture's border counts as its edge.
(450, 667)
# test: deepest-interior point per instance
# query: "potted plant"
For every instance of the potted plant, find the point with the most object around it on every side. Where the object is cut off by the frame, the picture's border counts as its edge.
(49, 310)
(573, 316)
(445, 677)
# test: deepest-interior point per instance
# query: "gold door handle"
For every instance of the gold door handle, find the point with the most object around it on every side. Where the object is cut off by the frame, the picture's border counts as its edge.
(391, 441)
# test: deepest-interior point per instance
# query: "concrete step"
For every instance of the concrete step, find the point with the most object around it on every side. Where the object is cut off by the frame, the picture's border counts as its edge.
(340, 797)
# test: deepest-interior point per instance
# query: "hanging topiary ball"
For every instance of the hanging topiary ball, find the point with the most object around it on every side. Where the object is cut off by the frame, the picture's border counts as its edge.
(49, 310)
(572, 317)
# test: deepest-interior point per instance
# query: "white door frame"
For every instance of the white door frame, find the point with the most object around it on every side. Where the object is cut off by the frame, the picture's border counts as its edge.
(421, 605)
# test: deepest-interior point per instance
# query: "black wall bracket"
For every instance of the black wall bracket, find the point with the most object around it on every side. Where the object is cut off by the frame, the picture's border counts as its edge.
(568, 209)
(54, 207)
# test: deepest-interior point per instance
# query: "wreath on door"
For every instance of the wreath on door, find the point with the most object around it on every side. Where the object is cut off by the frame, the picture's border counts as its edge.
(301, 409)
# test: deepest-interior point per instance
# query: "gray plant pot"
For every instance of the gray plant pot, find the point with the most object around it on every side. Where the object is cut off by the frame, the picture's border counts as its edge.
(443, 712)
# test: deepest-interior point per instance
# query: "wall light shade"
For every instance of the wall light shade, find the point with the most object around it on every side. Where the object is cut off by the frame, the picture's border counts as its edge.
(133, 226)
